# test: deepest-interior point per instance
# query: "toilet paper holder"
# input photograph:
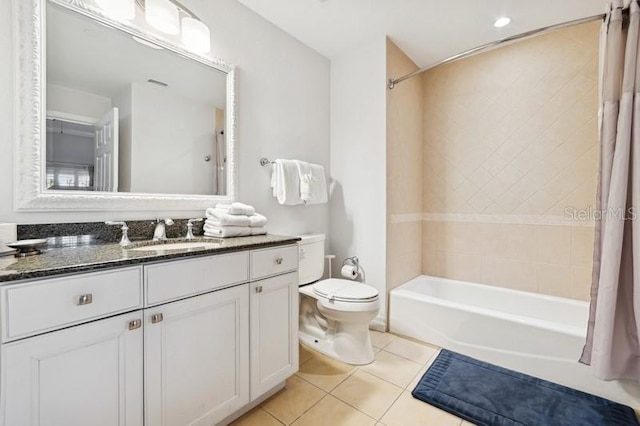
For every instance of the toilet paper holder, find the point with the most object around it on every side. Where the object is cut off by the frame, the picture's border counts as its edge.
(352, 261)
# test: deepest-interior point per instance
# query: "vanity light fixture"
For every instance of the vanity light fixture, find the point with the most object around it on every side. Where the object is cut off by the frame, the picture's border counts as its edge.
(172, 17)
(196, 35)
(118, 9)
(162, 15)
(502, 22)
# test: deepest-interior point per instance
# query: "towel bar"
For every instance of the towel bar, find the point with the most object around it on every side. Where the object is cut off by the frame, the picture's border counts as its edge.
(264, 162)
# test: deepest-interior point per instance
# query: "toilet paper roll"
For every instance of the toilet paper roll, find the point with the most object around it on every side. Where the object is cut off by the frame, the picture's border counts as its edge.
(8, 232)
(350, 272)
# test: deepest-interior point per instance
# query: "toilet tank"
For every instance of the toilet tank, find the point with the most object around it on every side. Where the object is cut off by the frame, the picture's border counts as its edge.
(311, 258)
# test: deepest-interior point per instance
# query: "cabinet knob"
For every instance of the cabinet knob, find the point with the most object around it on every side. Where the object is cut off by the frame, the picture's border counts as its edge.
(135, 324)
(279, 261)
(259, 289)
(155, 318)
(85, 299)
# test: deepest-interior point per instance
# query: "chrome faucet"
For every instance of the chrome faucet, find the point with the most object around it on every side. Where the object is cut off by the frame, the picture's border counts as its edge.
(190, 228)
(160, 233)
(125, 237)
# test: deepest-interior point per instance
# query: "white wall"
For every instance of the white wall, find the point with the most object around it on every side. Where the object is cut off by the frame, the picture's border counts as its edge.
(358, 162)
(76, 102)
(123, 102)
(283, 100)
(170, 158)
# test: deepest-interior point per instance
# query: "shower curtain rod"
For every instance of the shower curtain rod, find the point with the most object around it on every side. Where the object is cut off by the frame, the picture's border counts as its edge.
(392, 82)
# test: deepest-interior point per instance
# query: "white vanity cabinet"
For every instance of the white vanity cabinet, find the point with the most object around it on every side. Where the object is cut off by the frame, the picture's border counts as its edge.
(191, 341)
(89, 374)
(197, 358)
(274, 332)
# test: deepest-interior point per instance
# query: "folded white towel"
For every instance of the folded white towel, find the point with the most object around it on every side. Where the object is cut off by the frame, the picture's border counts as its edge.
(227, 231)
(257, 220)
(285, 182)
(313, 185)
(258, 230)
(222, 218)
(237, 208)
(217, 223)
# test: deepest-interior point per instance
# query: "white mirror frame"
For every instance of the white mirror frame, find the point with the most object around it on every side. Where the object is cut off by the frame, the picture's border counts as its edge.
(29, 37)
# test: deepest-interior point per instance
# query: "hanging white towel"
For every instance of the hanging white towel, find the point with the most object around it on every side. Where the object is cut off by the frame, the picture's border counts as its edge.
(237, 208)
(220, 218)
(313, 185)
(257, 220)
(285, 182)
(227, 231)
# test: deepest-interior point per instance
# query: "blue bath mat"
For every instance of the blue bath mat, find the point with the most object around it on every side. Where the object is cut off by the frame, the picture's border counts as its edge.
(489, 395)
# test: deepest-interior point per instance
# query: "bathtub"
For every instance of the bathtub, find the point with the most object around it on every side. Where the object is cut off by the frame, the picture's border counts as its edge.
(532, 333)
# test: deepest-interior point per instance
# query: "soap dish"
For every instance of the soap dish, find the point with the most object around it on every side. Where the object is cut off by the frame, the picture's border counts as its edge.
(27, 247)
(6, 251)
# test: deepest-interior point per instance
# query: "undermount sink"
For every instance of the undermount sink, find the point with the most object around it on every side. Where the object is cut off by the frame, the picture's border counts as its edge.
(177, 245)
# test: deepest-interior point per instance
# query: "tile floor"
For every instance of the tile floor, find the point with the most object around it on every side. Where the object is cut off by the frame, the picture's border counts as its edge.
(330, 393)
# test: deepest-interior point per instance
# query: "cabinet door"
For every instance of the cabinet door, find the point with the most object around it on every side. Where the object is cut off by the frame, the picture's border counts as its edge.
(196, 358)
(90, 374)
(274, 332)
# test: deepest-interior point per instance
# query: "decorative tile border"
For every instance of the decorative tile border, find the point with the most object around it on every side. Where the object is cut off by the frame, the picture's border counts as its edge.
(407, 218)
(508, 219)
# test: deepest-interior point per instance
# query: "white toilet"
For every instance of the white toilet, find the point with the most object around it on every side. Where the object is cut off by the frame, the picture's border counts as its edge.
(334, 313)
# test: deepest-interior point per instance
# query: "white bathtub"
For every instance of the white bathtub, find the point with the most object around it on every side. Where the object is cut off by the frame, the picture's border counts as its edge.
(527, 332)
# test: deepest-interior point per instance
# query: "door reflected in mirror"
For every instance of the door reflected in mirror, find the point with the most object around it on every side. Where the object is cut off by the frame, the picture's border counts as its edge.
(125, 115)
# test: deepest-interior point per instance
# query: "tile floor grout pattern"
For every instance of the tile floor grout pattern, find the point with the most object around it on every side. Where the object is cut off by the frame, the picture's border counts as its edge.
(328, 392)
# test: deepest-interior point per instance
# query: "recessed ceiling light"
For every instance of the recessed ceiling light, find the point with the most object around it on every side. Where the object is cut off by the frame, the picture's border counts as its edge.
(502, 22)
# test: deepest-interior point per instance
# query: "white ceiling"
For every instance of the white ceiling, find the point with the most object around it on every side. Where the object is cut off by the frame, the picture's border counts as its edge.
(85, 55)
(427, 30)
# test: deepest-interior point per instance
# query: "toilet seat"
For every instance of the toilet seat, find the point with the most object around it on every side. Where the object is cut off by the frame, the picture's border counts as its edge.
(339, 290)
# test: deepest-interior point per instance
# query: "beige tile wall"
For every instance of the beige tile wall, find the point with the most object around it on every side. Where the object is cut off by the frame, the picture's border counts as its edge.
(510, 132)
(404, 170)
(553, 260)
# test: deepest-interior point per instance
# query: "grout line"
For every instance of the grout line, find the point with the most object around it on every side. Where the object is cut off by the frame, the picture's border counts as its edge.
(275, 396)
(391, 406)
(355, 408)
(333, 388)
(308, 382)
(308, 409)
(404, 357)
(355, 368)
(271, 415)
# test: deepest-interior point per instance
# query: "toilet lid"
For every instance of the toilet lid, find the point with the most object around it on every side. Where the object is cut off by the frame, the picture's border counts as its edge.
(345, 291)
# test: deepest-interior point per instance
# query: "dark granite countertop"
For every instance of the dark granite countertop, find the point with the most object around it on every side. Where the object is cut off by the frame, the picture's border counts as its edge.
(86, 258)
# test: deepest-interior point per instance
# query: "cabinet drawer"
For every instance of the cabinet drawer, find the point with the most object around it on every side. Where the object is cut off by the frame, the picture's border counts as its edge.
(33, 308)
(174, 280)
(273, 261)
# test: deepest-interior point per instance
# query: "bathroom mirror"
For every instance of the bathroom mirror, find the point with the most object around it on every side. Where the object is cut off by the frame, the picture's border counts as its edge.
(123, 119)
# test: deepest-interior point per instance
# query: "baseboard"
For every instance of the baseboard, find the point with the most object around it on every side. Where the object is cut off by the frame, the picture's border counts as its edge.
(379, 324)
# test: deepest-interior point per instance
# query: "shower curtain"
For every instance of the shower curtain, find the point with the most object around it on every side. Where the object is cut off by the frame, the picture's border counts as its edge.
(612, 347)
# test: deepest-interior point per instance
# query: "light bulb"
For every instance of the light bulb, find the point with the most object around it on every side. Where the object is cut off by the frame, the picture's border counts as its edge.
(195, 35)
(162, 15)
(502, 22)
(118, 9)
